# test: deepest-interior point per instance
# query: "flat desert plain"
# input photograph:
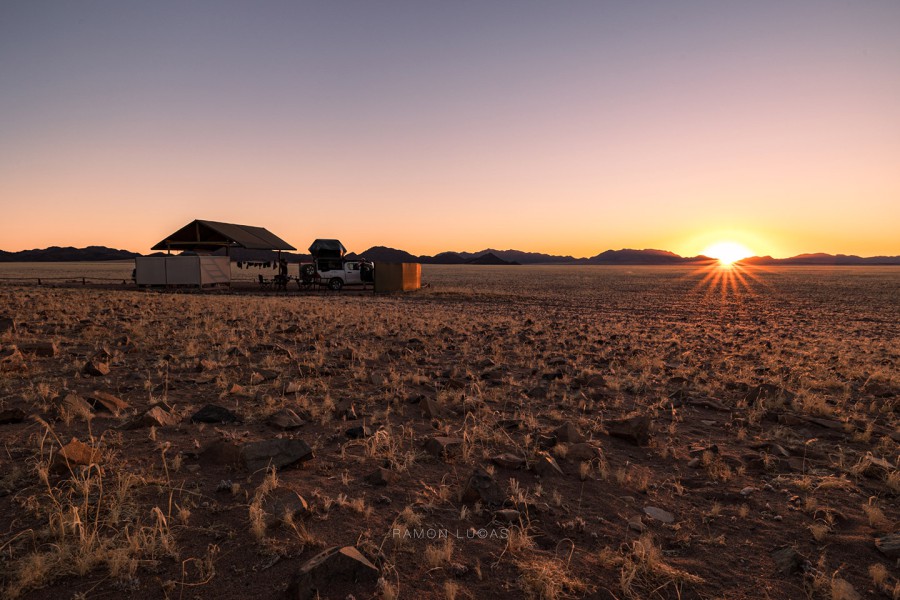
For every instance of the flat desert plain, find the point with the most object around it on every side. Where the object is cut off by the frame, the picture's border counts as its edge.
(507, 432)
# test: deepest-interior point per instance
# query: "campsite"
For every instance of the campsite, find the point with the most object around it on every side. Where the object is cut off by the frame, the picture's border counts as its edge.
(495, 300)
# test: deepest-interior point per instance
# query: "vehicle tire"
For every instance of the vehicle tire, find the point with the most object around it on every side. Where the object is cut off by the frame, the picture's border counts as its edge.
(336, 284)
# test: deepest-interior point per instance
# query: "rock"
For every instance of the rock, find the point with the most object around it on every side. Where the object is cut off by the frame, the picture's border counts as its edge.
(212, 413)
(283, 505)
(510, 424)
(788, 419)
(205, 365)
(443, 447)
(582, 452)
(9, 416)
(659, 514)
(158, 415)
(7, 325)
(634, 429)
(222, 453)
(41, 349)
(331, 568)
(262, 375)
(456, 384)
(591, 381)
(105, 401)
(875, 467)
(567, 433)
(538, 393)
(344, 354)
(637, 525)
(285, 419)
(747, 491)
(78, 453)
(771, 447)
(274, 349)
(277, 453)
(843, 589)
(710, 403)
(309, 371)
(889, 545)
(545, 465)
(508, 460)
(102, 355)
(481, 487)
(507, 515)
(345, 409)
(431, 409)
(546, 441)
(358, 432)
(74, 405)
(828, 423)
(96, 368)
(769, 392)
(381, 477)
(11, 357)
(789, 561)
(694, 463)
(701, 450)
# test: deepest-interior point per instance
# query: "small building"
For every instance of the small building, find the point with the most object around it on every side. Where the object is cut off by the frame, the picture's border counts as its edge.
(198, 241)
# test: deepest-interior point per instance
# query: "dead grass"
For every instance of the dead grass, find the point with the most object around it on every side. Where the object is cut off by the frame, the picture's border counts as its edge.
(508, 360)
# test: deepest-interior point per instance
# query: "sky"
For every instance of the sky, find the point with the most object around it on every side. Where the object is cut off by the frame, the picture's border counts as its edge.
(562, 127)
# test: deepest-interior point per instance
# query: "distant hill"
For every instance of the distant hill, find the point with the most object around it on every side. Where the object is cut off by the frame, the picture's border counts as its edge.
(489, 259)
(385, 254)
(820, 258)
(67, 254)
(523, 258)
(628, 256)
(444, 258)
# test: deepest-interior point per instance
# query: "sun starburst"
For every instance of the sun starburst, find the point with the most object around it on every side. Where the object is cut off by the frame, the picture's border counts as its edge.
(727, 253)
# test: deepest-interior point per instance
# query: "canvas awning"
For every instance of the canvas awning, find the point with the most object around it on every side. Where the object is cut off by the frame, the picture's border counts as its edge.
(211, 235)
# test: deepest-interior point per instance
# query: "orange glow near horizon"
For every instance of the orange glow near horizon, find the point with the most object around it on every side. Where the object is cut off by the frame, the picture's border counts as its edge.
(727, 253)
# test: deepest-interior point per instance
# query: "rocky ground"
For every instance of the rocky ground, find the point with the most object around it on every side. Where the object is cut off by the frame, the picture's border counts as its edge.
(635, 434)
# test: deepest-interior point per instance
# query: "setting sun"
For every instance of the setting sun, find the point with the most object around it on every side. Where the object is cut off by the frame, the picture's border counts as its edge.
(728, 252)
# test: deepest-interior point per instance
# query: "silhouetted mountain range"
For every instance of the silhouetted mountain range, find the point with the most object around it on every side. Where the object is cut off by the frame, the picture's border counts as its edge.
(822, 259)
(485, 257)
(67, 254)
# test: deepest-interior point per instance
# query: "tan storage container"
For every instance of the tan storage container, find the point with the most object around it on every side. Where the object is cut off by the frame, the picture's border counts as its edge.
(397, 277)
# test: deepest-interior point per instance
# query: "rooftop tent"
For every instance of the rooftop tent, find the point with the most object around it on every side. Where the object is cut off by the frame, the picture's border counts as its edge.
(327, 249)
(211, 235)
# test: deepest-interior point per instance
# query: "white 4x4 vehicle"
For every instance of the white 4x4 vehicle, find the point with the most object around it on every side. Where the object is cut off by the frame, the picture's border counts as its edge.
(338, 272)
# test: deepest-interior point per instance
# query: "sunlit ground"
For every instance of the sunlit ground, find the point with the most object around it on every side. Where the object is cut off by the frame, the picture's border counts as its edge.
(728, 280)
